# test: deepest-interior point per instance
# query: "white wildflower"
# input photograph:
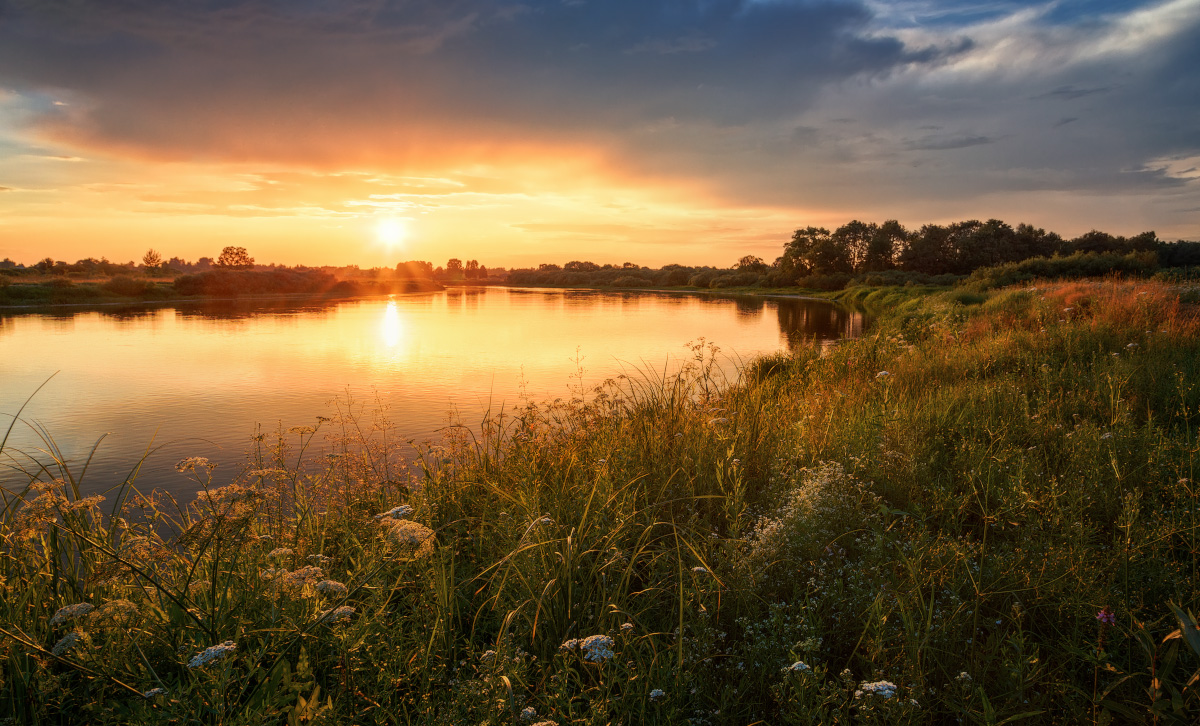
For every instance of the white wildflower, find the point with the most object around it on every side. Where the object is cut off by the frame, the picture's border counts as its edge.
(597, 648)
(626, 626)
(657, 694)
(882, 374)
(408, 533)
(399, 512)
(211, 653)
(319, 559)
(154, 692)
(799, 667)
(281, 552)
(700, 570)
(71, 612)
(330, 587)
(302, 430)
(571, 644)
(528, 714)
(487, 657)
(342, 612)
(194, 462)
(963, 677)
(69, 641)
(883, 689)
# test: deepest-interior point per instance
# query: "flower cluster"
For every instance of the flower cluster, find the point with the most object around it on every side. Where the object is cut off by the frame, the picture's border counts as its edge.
(596, 648)
(71, 612)
(1106, 616)
(69, 641)
(399, 512)
(342, 612)
(408, 533)
(799, 667)
(883, 689)
(657, 694)
(193, 463)
(330, 587)
(211, 653)
(154, 692)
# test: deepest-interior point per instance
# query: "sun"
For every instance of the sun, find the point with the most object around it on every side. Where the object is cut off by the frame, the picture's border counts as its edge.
(391, 232)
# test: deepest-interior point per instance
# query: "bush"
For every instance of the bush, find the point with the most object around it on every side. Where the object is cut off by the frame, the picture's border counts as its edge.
(126, 286)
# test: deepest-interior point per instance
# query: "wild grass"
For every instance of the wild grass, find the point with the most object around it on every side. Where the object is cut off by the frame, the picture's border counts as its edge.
(985, 511)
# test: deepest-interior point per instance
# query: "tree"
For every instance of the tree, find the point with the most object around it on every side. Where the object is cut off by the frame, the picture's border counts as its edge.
(885, 244)
(236, 258)
(152, 258)
(855, 238)
(751, 263)
(472, 269)
(454, 267)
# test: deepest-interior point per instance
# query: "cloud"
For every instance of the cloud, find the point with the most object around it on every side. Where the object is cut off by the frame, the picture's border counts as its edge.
(942, 143)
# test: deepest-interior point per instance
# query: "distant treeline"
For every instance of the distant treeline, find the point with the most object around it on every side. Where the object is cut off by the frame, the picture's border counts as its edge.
(888, 254)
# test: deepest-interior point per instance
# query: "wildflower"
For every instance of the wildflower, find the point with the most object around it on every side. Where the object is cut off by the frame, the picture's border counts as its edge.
(399, 512)
(1106, 616)
(718, 421)
(596, 648)
(883, 689)
(211, 653)
(302, 576)
(528, 714)
(264, 473)
(69, 641)
(882, 375)
(626, 626)
(319, 559)
(406, 532)
(964, 677)
(543, 520)
(194, 462)
(545, 723)
(571, 644)
(302, 430)
(799, 667)
(154, 692)
(114, 612)
(601, 461)
(342, 612)
(700, 570)
(1133, 346)
(281, 552)
(487, 657)
(657, 694)
(71, 612)
(331, 587)
(1106, 435)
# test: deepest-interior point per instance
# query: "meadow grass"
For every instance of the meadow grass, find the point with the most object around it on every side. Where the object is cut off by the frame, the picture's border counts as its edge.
(984, 511)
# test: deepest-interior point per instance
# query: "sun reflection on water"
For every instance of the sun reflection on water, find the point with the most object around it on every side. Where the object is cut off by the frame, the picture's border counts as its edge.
(392, 326)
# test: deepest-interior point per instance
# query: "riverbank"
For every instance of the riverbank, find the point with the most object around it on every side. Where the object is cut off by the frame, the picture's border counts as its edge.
(986, 510)
(129, 291)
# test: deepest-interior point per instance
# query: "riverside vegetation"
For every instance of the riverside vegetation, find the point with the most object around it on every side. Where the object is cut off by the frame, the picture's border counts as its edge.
(984, 511)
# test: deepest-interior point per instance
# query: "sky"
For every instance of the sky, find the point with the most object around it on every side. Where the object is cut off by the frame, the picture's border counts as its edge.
(518, 132)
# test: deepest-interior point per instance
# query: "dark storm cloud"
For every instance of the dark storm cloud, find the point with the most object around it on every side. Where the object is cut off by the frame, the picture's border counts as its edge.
(208, 77)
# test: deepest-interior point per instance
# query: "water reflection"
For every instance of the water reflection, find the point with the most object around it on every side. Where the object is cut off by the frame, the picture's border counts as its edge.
(209, 372)
(391, 328)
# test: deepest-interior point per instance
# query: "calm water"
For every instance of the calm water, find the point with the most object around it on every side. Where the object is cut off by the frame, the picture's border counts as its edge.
(197, 379)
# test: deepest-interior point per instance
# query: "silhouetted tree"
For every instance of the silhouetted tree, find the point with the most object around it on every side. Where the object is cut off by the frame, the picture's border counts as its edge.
(454, 267)
(235, 258)
(472, 270)
(886, 242)
(152, 258)
(752, 263)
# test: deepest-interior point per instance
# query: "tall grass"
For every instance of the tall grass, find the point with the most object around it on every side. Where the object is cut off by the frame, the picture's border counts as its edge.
(985, 511)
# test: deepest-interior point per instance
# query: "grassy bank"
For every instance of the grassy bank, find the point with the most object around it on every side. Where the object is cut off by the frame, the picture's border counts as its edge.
(223, 284)
(984, 512)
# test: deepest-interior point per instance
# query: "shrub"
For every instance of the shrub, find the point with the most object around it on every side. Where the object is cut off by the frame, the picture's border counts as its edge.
(126, 286)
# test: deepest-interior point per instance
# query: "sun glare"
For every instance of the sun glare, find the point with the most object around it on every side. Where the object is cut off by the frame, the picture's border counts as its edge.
(391, 232)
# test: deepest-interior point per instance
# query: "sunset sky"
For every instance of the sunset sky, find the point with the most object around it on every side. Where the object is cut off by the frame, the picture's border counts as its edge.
(653, 131)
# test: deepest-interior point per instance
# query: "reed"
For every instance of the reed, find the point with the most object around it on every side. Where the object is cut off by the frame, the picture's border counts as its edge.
(984, 511)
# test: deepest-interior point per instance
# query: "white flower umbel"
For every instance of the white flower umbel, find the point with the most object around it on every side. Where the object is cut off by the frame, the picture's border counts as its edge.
(597, 648)
(882, 689)
(528, 714)
(399, 512)
(154, 692)
(330, 587)
(211, 653)
(657, 694)
(799, 667)
(69, 641)
(281, 552)
(342, 612)
(71, 612)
